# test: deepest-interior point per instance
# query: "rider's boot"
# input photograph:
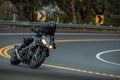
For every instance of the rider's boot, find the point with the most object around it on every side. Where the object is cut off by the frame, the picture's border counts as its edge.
(54, 46)
(53, 42)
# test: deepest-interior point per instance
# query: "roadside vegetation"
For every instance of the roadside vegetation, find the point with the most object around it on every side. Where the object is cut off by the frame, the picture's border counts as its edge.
(63, 11)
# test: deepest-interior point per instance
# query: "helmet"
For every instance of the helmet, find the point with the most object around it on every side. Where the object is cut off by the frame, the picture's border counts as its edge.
(51, 27)
(51, 24)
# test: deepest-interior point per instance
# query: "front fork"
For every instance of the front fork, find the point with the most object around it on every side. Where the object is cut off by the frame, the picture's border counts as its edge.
(16, 51)
(38, 51)
(41, 49)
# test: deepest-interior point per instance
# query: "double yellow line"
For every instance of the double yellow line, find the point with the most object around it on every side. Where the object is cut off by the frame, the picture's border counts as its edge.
(4, 53)
(87, 40)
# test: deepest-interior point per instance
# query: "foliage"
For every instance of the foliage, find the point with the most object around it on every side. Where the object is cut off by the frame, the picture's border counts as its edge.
(79, 11)
(25, 8)
(68, 11)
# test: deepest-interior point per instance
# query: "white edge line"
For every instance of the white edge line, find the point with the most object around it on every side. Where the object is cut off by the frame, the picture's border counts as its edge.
(104, 52)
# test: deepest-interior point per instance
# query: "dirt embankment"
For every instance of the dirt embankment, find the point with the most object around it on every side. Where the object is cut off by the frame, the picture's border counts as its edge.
(4, 28)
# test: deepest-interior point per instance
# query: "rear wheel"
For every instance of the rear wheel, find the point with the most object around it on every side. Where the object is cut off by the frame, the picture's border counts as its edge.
(14, 60)
(36, 61)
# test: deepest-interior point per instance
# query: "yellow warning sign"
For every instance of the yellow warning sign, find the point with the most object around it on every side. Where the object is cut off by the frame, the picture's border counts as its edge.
(99, 19)
(41, 15)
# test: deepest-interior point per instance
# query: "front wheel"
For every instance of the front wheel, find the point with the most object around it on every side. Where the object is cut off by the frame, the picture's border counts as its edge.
(36, 61)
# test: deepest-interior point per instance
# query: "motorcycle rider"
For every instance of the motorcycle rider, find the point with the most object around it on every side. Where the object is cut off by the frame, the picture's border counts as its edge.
(47, 30)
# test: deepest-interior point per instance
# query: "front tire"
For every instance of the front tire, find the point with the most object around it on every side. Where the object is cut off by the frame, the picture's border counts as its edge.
(35, 62)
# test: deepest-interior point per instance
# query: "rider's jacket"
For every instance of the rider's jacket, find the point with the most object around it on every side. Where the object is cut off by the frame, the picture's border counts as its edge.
(48, 30)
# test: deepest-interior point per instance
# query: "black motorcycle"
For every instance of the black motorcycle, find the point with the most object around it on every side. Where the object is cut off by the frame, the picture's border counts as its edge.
(33, 54)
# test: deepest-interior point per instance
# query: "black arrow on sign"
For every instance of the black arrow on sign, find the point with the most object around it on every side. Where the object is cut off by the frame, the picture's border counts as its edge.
(42, 15)
(100, 19)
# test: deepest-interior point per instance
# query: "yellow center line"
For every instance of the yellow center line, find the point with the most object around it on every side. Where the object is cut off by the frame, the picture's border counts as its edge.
(87, 40)
(82, 71)
(1, 51)
(4, 53)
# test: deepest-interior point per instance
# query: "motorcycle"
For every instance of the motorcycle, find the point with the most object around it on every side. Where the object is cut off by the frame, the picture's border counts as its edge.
(33, 54)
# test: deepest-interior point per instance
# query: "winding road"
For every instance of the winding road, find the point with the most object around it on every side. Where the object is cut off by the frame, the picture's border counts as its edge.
(79, 56)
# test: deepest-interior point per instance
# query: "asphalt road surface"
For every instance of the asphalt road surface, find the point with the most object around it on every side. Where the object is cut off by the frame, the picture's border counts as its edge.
(79, 56)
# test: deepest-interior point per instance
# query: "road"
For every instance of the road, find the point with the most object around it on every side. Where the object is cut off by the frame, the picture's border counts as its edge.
(79, 56)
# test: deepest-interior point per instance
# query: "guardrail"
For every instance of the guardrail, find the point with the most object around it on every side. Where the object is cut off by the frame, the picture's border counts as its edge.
(84, 26)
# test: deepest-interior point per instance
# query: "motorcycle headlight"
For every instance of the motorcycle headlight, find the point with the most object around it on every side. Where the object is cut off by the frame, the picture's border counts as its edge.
(50, 46)
(44, 41)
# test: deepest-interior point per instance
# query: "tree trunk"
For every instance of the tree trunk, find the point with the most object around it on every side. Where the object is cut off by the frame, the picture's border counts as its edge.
(73, 12)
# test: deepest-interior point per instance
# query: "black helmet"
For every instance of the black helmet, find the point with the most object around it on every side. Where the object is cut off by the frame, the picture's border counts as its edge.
(51, 24)
(51, 27)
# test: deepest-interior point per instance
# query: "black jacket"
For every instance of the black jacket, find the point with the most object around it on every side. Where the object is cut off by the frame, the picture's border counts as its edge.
(48, 30)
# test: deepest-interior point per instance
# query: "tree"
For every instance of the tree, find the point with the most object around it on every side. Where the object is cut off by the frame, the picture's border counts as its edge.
(76, 9)
(83, 9)
(25, 9)
(112, 12)
(70, 11)
(5, 10)
(1, 1)
(68, 6)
